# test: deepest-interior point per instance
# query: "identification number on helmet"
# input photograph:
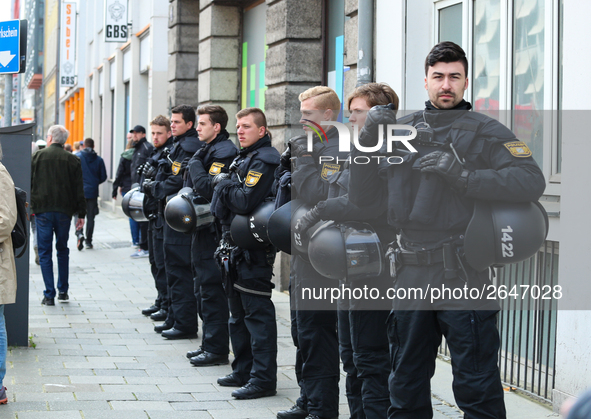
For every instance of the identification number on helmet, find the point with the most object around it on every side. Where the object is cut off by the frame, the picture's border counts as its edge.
(506, 246)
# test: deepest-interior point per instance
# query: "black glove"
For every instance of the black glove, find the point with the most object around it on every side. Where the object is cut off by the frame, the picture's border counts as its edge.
(309, 219)
(218, 178)
(140, 169)
(446, 165)
(147, 187)
(184, 165)
(376, 116)
(149, 171)
(299, 146)
(286, 158)
(200, 154)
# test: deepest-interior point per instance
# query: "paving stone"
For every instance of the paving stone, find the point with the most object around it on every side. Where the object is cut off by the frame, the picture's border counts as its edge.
(141, 405)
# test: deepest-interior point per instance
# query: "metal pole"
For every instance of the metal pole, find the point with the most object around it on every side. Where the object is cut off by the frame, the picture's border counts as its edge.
(57, 65)
(365, 23)
(8, 100)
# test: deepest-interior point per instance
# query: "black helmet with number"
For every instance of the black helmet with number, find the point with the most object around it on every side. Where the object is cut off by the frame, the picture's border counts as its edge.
(346, 251)
(188, 211)
(500, 233)
(299, 241)
(250, 231)
(279, 228)
(133, 205)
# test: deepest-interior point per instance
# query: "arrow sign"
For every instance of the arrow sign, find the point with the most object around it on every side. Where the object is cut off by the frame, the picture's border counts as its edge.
(9, 46)
(5, 58)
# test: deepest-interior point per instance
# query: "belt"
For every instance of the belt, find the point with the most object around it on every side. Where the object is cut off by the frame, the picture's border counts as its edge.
(422, 257)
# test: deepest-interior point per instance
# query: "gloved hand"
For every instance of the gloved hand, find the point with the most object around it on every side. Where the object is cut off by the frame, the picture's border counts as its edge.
(446, 165)
(200, 154)
(309, 219)
(285, 159)
(299, 146)
(184, 165)
(218, 178)
(147, 187)
(376, 116)
(140, 169)
(149, 171)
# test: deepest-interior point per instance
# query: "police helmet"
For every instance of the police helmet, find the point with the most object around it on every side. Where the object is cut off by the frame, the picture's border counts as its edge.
(279, 228)
(250, 231)
(188, 211)
(500, 233)
(346, 251)
(299, 241)
(133, 205)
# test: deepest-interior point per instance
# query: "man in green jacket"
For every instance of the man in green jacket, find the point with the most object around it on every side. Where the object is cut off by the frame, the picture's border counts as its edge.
(56, 194)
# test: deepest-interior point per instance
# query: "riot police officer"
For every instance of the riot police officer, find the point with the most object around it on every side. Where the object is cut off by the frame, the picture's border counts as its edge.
(458, 157)
(363, 340)
(162, 139)
(213, 158)
(253, 328)
(177, 246)
(314, 328)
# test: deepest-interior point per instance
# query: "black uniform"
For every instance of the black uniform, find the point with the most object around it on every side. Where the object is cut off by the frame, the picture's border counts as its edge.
(211, 159)
(253, 327)
(314, 329)
(177, 246)
(432, 216)
(142, 150)
(363, 339)
(156, 234)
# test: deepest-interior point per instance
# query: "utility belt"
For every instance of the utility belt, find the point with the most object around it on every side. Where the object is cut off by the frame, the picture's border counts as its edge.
(450, 254)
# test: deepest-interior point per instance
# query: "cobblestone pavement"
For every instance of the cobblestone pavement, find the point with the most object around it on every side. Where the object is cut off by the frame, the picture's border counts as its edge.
(97, 357)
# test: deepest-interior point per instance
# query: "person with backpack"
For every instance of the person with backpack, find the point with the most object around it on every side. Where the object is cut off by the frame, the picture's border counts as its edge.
(8, 217)
(56, 194)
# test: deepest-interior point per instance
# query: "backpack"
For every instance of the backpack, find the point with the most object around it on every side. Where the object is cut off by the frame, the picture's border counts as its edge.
(20, 234)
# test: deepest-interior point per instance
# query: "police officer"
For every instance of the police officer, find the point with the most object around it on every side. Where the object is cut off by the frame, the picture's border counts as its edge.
(213, 158)
(162, 139)
(363, 340)
(142, 150)
(314, 328)
(460, 157)
(177, 246)
(253, 328)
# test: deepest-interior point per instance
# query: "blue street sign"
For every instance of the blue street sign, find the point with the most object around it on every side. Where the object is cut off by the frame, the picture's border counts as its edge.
(10, 47)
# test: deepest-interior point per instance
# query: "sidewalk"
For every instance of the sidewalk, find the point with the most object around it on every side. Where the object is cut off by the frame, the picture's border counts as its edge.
(97, 357)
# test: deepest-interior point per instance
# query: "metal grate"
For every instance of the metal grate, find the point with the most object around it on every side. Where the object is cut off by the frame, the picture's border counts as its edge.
(527, 326)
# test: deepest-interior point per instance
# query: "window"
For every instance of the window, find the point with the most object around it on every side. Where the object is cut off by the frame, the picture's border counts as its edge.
(335, 49)
(450, 24)
(254, 50)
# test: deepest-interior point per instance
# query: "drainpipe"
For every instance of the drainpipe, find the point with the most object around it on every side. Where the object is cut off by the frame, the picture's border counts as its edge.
(365, 22)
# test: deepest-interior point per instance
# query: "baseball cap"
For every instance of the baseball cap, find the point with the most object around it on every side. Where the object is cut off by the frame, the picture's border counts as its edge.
(138, 128)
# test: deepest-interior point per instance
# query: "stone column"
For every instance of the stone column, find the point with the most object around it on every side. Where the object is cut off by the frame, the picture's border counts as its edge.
(219, 64)
(183, 24)
(350, 58)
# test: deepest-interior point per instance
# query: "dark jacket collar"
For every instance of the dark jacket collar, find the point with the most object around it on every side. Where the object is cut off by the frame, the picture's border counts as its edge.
(222, 136)
(263, 142)
(190, 133)
(140, 142)
(462, 106)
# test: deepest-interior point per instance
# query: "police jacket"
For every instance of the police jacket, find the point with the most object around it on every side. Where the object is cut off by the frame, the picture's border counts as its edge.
(169, 179)
(142, 150)
(250, 183)
(309, 178)
(208, 161)
(152, 205)
(500, 168)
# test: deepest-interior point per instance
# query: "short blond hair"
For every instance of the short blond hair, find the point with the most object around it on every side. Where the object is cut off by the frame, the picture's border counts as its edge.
(324, 98)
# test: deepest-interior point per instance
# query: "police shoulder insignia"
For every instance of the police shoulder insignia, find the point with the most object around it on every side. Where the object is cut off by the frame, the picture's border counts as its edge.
(328, 169)
(176, 167)
(216, 168)
(518, 149)
(252, 178)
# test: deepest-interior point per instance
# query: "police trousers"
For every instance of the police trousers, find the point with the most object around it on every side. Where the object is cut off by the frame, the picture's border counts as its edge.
(156, 248)
(314, 333)
(363, 345)
(253, 333)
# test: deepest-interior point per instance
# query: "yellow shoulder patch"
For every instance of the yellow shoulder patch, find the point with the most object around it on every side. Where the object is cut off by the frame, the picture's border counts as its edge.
(176, 167)
(252, 178)
(518, 149)
(328, 169)
(216, 168)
